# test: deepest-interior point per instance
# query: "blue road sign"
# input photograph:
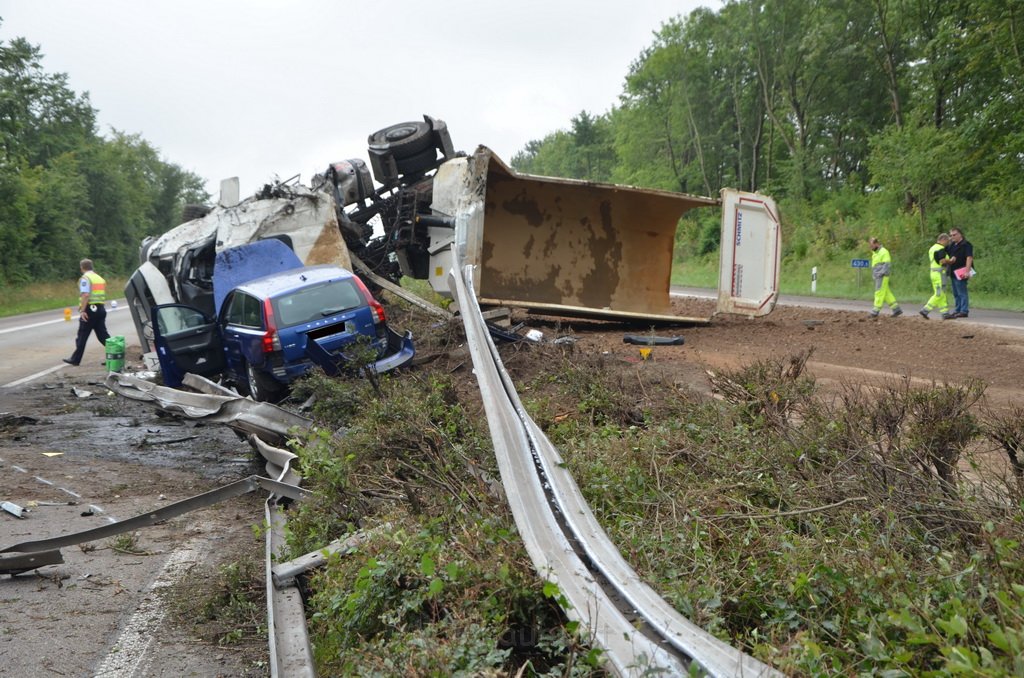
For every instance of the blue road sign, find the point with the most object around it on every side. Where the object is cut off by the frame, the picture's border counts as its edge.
(860, 263)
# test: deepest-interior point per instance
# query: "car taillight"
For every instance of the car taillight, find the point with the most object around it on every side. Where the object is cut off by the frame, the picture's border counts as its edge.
(271, 342)
(378, 310)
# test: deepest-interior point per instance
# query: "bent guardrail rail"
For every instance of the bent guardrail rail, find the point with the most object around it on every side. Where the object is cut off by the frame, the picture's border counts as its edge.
(567, 544)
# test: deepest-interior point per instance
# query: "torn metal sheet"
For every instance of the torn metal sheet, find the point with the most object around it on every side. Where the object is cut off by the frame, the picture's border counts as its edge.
(167, 512)
(279, 461)
(268, 422)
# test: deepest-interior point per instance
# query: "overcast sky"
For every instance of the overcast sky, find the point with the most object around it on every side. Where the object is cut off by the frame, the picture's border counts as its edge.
(262, 90)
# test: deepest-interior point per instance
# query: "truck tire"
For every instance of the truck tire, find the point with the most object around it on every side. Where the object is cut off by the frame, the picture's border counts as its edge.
(405, 139)
(417, 163)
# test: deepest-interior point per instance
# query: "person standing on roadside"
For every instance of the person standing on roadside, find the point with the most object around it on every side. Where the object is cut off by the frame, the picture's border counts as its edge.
(92, 314)
(881, 269)
(937, 263)
(961, 257)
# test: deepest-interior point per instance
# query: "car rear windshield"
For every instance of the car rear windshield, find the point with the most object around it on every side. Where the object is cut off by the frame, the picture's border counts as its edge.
(317, 302)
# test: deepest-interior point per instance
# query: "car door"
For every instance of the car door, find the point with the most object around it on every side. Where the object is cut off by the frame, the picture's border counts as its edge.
(186, 340)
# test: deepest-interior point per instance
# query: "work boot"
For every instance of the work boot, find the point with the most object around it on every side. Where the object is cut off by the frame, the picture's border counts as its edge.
(897, 312)
(948, 316)
(924, 313)
(873, 314)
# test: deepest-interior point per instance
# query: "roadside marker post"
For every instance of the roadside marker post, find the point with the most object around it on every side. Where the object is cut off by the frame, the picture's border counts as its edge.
(814, 279)
(860, 265)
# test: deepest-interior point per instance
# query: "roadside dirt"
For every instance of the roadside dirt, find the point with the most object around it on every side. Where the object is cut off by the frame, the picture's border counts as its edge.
(120, 457)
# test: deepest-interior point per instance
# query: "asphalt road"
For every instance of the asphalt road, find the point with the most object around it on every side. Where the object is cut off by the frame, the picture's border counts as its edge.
(1011, 320)
(33, 344)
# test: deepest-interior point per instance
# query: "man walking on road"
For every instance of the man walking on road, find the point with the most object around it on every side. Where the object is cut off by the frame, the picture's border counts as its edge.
(938, 259)
(92, 315)
(961, 256)
(881, 269)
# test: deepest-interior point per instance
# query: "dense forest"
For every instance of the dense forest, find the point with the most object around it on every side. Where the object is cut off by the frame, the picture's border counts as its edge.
(68, 192)
(891, 117)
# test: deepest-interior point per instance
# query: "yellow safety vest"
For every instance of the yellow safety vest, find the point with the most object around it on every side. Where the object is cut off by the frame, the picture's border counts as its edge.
(97, 287)
(931, 256)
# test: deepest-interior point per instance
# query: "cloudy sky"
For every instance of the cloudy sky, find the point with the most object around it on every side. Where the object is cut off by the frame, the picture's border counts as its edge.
(264, 89)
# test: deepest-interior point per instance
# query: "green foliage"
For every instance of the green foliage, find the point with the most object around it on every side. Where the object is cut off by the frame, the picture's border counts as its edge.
(440, 583)
(818, 534)
(67, 193)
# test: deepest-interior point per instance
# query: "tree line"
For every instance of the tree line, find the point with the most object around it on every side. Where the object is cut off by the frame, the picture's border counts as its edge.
(917, 103)
(68, 192)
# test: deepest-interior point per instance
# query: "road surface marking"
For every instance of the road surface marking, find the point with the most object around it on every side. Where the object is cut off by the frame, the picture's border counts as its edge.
(32, 377)
(127, 655)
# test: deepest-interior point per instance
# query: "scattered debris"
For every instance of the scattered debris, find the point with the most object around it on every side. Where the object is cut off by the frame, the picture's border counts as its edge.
(13, 509)
(8, 420)
(651, 340)
(534, 335)
(81, 392)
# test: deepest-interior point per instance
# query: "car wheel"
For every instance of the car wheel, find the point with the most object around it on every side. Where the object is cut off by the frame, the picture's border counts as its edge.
(404, 139)
(261, 386)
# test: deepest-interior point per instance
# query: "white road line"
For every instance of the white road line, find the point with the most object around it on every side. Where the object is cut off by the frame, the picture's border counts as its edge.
(31, 377)
(28, 327)
(127, 656)
(112, 309)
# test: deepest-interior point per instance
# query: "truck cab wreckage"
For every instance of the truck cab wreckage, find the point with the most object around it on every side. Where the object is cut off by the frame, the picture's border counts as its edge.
(547, 245)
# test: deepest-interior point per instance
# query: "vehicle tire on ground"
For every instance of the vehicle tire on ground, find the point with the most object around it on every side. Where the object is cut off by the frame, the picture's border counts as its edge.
(260, 386)
(405, 139)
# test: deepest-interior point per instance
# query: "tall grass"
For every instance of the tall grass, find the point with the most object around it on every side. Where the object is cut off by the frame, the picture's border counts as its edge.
(45, 296)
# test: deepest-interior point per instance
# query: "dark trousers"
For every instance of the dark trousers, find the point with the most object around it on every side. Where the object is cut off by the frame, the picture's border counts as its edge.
(97, 322)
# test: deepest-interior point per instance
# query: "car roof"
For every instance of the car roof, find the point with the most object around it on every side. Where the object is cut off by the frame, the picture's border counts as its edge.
(294, 279)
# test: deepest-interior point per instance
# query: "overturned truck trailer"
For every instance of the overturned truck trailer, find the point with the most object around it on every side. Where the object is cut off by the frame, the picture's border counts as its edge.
(551, 246)
(566, 247)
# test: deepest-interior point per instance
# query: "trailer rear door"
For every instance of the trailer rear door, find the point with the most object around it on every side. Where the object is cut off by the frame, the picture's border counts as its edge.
(750, 254)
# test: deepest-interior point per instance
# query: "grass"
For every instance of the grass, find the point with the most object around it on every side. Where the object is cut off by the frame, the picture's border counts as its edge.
(46, 296)
(836, 278)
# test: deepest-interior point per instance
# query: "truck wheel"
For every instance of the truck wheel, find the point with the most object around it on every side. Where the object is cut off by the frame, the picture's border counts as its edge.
(262, 387)
(404, 139)
(417, 163)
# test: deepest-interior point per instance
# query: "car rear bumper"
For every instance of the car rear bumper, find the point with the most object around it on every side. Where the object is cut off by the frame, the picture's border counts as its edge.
(400, 352)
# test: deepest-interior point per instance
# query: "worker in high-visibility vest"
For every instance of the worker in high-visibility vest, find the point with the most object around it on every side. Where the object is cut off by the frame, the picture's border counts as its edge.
(881, 269)
(92, 314)
(938, 259)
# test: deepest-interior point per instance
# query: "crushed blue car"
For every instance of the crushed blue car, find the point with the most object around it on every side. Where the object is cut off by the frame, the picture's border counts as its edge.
(270, 330)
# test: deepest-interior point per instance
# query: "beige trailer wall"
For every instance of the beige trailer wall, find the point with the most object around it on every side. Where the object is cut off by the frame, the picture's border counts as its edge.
(577, 244)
